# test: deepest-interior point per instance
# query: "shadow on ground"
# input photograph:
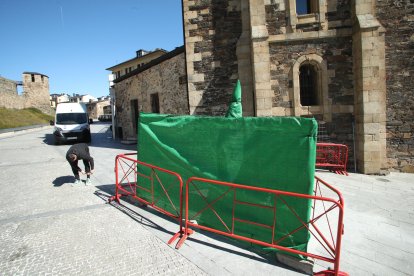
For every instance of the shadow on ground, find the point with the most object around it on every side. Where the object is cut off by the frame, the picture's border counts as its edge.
(59, 181)
(106, 191)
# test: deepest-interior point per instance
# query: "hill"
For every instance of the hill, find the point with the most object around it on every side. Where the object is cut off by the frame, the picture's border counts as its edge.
(11, 118)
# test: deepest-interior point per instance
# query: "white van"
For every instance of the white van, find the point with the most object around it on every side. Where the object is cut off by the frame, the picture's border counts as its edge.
(71, 123)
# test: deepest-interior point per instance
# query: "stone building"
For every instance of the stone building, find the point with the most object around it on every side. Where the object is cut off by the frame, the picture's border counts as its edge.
(55, 99)
(158, 85)
(98, 108)
(142, 57)
(347, 63)
(332, 60)
(35, 92)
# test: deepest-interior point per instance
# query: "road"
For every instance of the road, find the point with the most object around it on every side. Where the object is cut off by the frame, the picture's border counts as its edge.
(49, 227)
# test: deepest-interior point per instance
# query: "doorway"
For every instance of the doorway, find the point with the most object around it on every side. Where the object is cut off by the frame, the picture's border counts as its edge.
(135, 115)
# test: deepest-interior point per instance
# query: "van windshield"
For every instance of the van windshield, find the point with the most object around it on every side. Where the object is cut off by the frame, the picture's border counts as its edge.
(71, 118)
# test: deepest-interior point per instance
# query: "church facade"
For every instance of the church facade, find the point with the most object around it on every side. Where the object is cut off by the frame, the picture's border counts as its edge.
(346, 63)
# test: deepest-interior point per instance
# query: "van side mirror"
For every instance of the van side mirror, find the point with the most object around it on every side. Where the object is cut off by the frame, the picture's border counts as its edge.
(51, 122)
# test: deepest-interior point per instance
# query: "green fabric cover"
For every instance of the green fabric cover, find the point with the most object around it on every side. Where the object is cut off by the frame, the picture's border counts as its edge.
(235, 108)
(270, 152)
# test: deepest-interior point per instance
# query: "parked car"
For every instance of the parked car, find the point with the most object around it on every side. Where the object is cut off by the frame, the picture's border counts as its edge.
(105, 118)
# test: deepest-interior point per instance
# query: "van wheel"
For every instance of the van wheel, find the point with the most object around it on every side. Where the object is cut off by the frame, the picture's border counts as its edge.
(88, 138)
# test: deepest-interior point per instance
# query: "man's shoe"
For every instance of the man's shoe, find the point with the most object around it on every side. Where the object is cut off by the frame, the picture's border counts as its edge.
(88, 182)
(77, 182)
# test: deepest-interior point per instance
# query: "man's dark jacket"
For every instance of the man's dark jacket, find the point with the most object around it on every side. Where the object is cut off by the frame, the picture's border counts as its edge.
(82, 152)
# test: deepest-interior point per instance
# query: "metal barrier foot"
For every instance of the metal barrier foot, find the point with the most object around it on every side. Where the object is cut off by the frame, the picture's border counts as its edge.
(115, 198)
(181, 241)
(112, 198)
(183, 236)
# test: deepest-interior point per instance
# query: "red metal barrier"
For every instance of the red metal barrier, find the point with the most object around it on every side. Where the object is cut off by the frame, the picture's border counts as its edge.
(129, 184)
(326, 236)
(332, 156)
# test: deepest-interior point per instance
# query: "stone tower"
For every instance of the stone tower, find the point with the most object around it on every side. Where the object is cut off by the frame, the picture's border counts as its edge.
(36, 91)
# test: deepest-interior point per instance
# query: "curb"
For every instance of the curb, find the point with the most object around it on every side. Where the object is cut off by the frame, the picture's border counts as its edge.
(7, 132)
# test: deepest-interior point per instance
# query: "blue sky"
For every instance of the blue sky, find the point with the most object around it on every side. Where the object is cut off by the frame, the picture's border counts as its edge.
(74, 41)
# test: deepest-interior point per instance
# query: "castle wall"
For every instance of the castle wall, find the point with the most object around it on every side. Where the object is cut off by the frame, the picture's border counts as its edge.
(35, 93)
(9, 97)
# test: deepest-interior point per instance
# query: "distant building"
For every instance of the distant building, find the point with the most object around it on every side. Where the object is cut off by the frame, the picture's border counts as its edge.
(55, 99)
(98, 108)
(142, 57)
(77, 98)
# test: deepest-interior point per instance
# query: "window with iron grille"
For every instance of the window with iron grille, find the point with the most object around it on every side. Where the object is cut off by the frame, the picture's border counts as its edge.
(308, 83)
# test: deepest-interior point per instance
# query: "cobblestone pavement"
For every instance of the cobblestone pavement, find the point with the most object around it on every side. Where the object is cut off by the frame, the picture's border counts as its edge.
(49, 227)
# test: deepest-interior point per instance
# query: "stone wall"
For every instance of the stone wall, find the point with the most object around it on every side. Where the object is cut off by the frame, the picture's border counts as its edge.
(343, 41)
(95, 109)
(35, 93)
(8, 86)
(397, 17)
(9, 97)
(167, 79)
(212, 30)
(337, 53)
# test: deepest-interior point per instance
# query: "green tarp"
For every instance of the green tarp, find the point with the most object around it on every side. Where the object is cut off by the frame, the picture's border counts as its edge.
(235, 108)
(270, 152)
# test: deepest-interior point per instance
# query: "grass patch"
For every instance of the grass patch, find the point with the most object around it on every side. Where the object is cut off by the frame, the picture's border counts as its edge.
(11, 118)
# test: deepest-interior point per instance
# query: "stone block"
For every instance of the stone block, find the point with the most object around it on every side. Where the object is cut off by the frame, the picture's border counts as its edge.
(278, 111)
(264, 104)
(369, 167)
(205, 11)
(264, 86)
(190, 15)
(259, 32)
(196, 98)
(194, 39)
(305, 266)
(264, 93)
(264, 112)
(408, 169)
(373, 108)
(196, 78)
(407, 135)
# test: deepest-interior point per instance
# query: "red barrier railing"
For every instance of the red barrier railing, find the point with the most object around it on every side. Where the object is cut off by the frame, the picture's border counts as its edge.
(129, 184)
(326, 236)
(333, 157)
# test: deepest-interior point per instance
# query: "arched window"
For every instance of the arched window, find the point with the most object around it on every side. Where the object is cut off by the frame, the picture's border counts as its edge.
(308, 84)
(309, 77)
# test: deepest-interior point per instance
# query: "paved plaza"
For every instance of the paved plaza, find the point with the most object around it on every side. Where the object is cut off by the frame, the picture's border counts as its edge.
(49, 227)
